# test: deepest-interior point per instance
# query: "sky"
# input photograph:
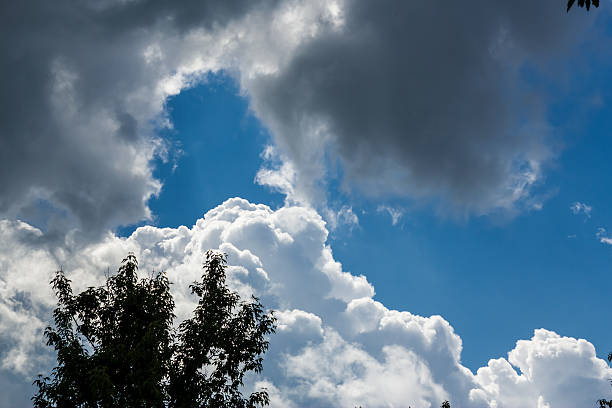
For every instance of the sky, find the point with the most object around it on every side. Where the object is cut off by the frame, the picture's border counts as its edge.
(420, 192)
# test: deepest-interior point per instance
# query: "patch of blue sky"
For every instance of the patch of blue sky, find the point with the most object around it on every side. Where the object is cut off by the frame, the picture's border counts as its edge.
(215, 154)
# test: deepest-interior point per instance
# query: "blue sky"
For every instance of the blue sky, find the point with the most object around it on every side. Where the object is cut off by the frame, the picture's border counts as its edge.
(394, 179)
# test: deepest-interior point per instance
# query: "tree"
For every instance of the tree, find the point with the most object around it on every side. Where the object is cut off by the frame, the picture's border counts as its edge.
(582, 3)
(117, 346)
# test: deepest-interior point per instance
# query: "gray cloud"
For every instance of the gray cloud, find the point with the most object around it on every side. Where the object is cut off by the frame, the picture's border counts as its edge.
(413, 99)
(422, 100)
(79, 102)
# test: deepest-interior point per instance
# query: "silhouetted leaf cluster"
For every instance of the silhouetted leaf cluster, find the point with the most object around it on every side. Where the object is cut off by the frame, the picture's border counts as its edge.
(116, 345)
(583, 3)
(227, 337)
(602, 402)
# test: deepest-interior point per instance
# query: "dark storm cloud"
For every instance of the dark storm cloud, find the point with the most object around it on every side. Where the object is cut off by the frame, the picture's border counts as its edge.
(77, 100)
(422, 98)
(184, 15)
(416, 99)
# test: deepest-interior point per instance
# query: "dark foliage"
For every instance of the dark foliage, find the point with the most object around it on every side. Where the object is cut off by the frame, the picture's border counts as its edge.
(582, 3)
(116, 345)
(602, 402)
(227, 337)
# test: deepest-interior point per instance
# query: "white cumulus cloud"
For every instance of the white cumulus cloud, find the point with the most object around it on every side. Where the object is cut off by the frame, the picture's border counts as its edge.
(335, 345)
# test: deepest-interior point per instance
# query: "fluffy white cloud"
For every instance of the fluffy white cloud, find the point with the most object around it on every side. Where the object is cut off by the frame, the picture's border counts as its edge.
(555, 371)
(335, 345)
(338, 373)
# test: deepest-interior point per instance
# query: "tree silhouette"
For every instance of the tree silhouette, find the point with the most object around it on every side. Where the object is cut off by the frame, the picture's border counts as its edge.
(603, 403)
(582, 3)
(117, 347)
(227, 336)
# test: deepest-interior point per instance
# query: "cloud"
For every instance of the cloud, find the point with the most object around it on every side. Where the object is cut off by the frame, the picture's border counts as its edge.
(554, 371)
(342, 82)
(335, 345)
(601, 235)
(342, 217)
(419, 100)
(86, 88)
(84, 91)
(279, 175)
(579, 207)
(338, 373)
(394, 213)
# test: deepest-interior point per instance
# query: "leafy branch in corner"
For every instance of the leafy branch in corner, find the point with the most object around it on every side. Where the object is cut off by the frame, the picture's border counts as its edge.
(582, 3)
